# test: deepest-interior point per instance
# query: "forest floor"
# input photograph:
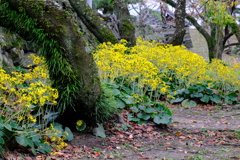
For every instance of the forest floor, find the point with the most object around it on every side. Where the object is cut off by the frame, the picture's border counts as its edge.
(203, 132)
(199, 133)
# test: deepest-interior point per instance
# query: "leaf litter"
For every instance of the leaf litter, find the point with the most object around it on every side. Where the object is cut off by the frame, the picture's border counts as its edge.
(205, 132)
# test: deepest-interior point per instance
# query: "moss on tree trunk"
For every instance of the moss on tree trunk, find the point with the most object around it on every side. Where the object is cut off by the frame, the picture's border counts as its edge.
(71, 68)
(125, 25)
(93, 22)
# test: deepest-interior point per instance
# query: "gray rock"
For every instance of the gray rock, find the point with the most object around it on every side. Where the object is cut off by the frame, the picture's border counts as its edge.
(7, 62)
(16, 55)
(26, 60)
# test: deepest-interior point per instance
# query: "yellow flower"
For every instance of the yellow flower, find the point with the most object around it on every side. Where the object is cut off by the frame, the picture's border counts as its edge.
(12, 90)
(79, 122)
(31, 118)
(20, 118)
(53, 139)
(163, 90)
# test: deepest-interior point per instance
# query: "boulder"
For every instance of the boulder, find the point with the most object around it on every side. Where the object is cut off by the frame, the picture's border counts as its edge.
(26, 60)
(16, 55)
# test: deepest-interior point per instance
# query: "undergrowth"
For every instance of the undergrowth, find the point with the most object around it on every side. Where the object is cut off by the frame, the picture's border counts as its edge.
(144, 75)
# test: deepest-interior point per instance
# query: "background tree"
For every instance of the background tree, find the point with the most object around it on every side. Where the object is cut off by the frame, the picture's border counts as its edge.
(216, 15)
(180, 14)
(125, 25)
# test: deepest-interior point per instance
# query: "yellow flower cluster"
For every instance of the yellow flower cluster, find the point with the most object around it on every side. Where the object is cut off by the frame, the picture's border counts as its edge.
(114, 61)
(19, 91)
(57, 142)
(226, 76)
(155, 64)
(31, 118)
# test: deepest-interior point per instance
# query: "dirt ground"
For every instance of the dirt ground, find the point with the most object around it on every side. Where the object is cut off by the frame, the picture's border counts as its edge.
(198, 133)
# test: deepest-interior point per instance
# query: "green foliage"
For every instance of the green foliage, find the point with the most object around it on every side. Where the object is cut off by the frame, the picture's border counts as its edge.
(106, 5)
(217, 12)
(99, 131)
(34, 141)
(106, 105)
(158, 113)
(142, 107)
(27, 107)
(11, 132)
(66, 132)
(202, 94)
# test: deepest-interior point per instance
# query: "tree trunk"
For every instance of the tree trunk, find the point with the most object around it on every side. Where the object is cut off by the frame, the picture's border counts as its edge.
(236, 30)
(180, 14)
(213, 50)
(125, 25)
(92, 21)
(72, 70)
(219, 42)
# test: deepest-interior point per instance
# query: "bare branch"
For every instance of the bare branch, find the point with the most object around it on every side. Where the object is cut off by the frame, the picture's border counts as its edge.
(232, 44)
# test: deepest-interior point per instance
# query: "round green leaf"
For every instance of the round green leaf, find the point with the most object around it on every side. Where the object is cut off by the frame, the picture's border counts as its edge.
(134, 109)
(150, 110)
(143, 116)
(188, 103)
(141, 107)
(22, 140)
(205, 99)
(69, 136)
(215, 98)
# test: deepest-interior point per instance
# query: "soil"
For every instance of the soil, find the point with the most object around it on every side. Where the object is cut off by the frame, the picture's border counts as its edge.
(199, 133)
(204, 132)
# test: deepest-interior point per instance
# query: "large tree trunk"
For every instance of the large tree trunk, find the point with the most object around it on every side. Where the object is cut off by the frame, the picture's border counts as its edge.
(180, 14)
(72, 70)
(125, 25)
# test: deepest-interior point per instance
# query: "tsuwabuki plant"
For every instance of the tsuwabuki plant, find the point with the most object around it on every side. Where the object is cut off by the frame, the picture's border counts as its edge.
(28, 104)
(160, 71)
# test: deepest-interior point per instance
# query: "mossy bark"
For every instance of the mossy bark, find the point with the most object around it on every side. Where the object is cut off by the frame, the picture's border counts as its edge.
(78, 77)
(93, 22)
(125, 25)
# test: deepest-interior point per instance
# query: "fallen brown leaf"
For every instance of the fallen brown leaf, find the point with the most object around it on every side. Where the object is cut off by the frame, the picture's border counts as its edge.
(144, 158)
(182, 137)
(178, 133)
(150, 128)
(168, 144)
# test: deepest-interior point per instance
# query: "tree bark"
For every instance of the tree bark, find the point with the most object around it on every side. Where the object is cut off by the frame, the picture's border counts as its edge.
(125, 25)
(73, 72)
(213, 50)
(92, 21)
(180, 14)
(236, 30)
(217, 33)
